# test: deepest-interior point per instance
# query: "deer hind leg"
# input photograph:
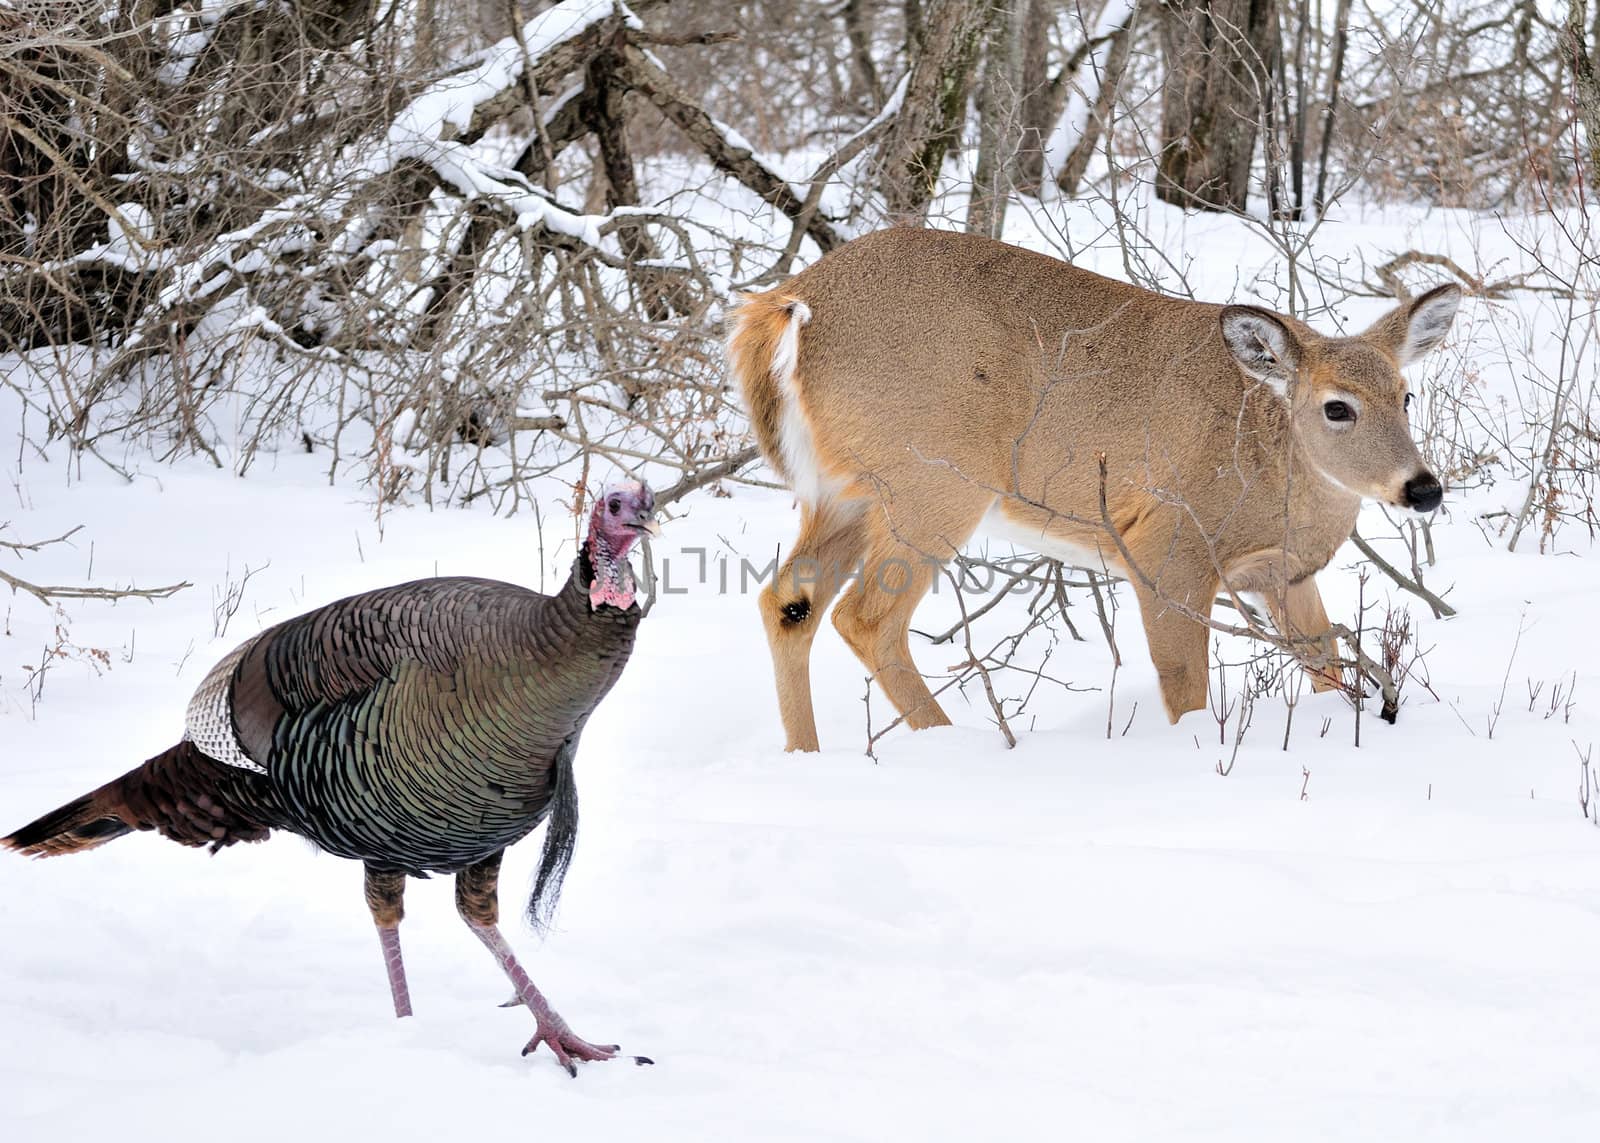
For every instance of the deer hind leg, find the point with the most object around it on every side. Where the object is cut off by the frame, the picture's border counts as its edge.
(874, 617)
(831, 540)
(1297, 611)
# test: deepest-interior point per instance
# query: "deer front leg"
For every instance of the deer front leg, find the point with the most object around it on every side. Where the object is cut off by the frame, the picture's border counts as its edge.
(1297, 612)
(1175, 580)
(1178, 642)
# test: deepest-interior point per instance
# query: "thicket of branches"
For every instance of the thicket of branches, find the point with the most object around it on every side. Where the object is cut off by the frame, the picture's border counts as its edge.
(454, 247)
(231, 224)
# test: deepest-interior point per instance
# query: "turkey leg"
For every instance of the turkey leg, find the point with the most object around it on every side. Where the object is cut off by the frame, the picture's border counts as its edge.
(477, 900)
(386, 898)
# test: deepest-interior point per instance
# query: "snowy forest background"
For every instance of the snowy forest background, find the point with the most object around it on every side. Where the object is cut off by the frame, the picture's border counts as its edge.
(303, 297)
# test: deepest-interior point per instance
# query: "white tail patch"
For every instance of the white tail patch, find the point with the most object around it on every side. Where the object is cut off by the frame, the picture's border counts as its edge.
(787, 355)
(800, 459)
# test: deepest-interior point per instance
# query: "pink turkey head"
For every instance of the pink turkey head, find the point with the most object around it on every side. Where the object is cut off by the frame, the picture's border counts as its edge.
(623, 512)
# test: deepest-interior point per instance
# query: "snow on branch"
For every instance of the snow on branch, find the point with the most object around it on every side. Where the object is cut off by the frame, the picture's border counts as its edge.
(557, 42)
(435, 128)
(1084, 90)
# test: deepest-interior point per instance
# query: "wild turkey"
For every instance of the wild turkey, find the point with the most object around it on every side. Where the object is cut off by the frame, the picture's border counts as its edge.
(417, 728)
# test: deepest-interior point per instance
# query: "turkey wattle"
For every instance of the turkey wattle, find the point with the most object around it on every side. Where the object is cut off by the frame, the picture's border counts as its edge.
(417, 728)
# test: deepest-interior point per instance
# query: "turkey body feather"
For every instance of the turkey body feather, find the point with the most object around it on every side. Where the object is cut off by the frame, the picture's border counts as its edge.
(419, 727)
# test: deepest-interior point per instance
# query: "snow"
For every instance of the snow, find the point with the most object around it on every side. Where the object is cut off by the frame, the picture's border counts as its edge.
(952, 942)
(955, 942)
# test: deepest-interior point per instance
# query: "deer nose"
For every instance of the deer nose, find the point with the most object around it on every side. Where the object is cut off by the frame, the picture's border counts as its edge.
(1423, 492)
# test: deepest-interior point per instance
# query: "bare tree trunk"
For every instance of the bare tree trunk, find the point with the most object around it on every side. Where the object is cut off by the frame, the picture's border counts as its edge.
(1272, 149)
(425, 50)
(1585, 84)
(913, 16)
(936, 93)
(866, 87)
(494, 19)
(1038, 108)
(1100, 114)
(1297, 135)
(608, 120)
(998, 124)
(1341, 33)
(1217, 75)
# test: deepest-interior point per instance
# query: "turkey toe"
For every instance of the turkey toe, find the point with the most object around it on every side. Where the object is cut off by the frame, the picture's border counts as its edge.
(567, 1048)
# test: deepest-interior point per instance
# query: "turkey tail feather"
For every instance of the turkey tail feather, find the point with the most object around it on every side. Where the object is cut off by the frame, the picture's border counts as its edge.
(76, 826)
(182, 793)
(561, 835)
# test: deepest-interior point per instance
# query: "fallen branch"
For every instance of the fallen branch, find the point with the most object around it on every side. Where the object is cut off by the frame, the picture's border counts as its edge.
(550, 422)
(1392, 287)
(46, 594)
(685, 39)
(36, 545)
(559, 41)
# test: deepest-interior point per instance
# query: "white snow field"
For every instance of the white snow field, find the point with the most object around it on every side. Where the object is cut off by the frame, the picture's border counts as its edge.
(1080, 938)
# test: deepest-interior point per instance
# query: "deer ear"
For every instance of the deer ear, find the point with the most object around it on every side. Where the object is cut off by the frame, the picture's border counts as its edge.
(1262, 345)
(1409, 331)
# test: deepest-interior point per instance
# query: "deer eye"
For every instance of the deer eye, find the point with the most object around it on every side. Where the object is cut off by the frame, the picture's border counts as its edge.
(1408, 400)
(1338, 412)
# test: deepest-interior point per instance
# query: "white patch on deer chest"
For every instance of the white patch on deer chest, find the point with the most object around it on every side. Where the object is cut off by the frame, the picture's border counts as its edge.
(209, 720)
(996, 524)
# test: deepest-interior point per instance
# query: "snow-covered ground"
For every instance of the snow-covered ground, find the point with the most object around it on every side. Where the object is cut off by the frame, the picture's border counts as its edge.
(1087, 936)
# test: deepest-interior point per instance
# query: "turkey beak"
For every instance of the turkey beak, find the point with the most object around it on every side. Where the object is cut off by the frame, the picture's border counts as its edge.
(647, 525)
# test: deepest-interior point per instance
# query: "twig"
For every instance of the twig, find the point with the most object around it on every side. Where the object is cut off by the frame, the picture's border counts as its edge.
(16, 546)
(977, 664)
(706, 476)
(44, 593)
(1440, 607)
(999, 598)
(683, 39)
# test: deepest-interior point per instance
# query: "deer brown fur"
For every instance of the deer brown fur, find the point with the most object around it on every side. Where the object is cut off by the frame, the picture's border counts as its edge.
(914, 385)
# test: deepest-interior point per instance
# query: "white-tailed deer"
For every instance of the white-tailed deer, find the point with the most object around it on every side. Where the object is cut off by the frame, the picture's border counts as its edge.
(915, 385)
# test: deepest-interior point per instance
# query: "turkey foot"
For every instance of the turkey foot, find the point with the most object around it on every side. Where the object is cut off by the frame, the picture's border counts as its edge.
(551, 1029)
(567, 1046)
